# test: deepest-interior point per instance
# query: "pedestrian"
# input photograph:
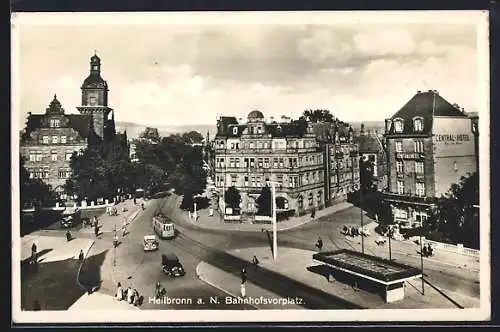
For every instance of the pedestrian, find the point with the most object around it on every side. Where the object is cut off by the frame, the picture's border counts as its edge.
(255, 261)
(135, 201)
(243, 289)
(313, 213)
(319, 244)
(136, 297)
(119, 292)
(68, 236)
(36, 306)
(33, 250)
(243, 275)
(130, 294)
(124, 230)
(81, 255)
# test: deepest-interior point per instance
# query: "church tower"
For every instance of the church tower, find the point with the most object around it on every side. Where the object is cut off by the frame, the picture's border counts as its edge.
(95, 100)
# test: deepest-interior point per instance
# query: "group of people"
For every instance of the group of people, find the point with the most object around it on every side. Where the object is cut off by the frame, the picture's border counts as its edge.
(353, 231)
(427, 250)
(131, 296)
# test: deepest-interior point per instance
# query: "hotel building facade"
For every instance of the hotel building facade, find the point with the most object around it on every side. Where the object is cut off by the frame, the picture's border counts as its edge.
(430, 146)
(289, 154)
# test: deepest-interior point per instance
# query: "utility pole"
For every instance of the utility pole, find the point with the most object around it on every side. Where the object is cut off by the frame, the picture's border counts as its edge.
(275, 227)
(361, 209)
(390, 251)
(422, 262)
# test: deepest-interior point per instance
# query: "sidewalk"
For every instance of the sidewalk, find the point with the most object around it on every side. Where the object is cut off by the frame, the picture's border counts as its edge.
(293, 263)
(98, 301)
(54, 248)
(110, 223)
(215, 222)
(409, 248)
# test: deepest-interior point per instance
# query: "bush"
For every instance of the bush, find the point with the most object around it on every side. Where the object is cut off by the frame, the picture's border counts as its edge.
(202, 203)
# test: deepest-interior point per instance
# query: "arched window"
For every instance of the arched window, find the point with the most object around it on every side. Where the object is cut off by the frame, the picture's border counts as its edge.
(398, 125)
(418, 124)
(281, 203)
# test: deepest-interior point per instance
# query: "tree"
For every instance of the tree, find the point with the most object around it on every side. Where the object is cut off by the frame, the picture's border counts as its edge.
(264, 202)
(456, 216)
(366, 175)
(317, 116)
(150, 134)
(232, 197)
(192, 137)
(187, 201)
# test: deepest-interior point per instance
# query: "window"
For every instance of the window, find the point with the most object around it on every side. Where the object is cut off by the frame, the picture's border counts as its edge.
(275, 162)
(232, 145)
(39, 157)
(279, 179)
(252, 145)
(68, 156)
(253, 182)
(399, 166)
(64, 173)
(32, 157)
(259, 181)
(419, 146)
(246, 181)
(401, 214)
(54, 123)
(420, 189)
(235, 130)
(399, 146)
(418, 124)
(237, 162)
(55, 139)
(266, 162)
(54, 156)
(259, 130)
(401, 187)
(252, 162)
(281, 162)
(234, 178)
(45, 139)
(63, 139)
(398, 126)
(231, 162)
(245, 162)
(419, 167)
(260, 163)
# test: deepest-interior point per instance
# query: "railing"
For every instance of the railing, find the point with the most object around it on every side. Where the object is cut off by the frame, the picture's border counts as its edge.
(458, 248)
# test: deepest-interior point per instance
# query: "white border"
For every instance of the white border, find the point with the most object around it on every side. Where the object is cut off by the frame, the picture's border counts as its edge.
(478, 18)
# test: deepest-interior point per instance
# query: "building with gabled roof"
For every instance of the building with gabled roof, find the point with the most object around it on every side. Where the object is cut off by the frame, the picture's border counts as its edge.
(430, 146)
(49, 140)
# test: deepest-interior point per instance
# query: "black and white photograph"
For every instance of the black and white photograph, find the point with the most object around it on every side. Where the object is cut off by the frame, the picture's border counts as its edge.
(250, 167)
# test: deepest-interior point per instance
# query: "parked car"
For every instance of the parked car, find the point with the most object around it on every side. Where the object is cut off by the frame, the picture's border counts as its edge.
(150, 243)
(171, 265)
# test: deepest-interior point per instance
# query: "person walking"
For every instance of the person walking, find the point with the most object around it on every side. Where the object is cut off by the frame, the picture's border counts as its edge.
(81, 256)
(130, 294)
(96, 230)
(319, 244)
(255, 261)
(33, 250)
(243, 275)
(243, 290)
(119, 292)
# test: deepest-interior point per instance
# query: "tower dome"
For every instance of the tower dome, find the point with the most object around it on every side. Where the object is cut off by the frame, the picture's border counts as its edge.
(255, 116)
(94, 80)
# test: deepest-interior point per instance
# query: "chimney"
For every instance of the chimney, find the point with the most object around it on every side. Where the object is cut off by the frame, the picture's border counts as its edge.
(419, 92)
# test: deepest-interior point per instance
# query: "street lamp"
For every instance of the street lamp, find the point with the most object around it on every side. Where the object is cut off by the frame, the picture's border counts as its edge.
(275, 230)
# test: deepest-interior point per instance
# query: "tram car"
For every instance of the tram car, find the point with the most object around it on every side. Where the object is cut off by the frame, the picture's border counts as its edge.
(163, 226)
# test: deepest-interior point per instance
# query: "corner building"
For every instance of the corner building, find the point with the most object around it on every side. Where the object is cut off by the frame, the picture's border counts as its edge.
(430, 146)
(49, 140)
(247, 155)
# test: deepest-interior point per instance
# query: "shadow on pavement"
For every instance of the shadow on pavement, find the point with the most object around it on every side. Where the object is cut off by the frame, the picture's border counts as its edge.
(52, 284)
(90, 273)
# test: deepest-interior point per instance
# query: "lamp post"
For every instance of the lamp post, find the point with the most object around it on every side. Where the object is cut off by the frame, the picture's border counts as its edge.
(275, 228)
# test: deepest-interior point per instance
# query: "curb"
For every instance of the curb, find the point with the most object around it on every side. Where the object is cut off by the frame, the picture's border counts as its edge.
(258, 228)
(205, 280)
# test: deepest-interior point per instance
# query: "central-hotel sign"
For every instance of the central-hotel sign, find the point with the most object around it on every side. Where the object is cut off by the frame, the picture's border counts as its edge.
(451, 138)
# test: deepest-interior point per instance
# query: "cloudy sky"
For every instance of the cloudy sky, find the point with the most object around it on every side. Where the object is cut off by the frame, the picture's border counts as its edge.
(188, 73)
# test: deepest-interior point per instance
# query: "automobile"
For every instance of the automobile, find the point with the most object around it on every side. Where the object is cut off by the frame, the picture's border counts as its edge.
(171, 265)
(150, 243)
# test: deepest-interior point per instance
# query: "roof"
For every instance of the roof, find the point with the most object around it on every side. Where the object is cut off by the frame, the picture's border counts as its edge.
(367, 143)
(326, 131)
(255, 115)
(94, 80)
(79, 122)
(426, 105)
(293, 129)
(149, 237)
(384, 270)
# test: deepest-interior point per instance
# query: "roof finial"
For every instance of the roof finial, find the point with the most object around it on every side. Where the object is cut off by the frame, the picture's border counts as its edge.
(95, 52)
(55, 96)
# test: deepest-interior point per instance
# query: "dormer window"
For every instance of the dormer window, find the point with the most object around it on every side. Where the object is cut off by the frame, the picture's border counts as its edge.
(54, 123)
(259, 130)
(418, 124)
(235, 130)
(398, 126)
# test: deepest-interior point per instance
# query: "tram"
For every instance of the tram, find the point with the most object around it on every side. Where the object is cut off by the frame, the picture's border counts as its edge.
(163, 226)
